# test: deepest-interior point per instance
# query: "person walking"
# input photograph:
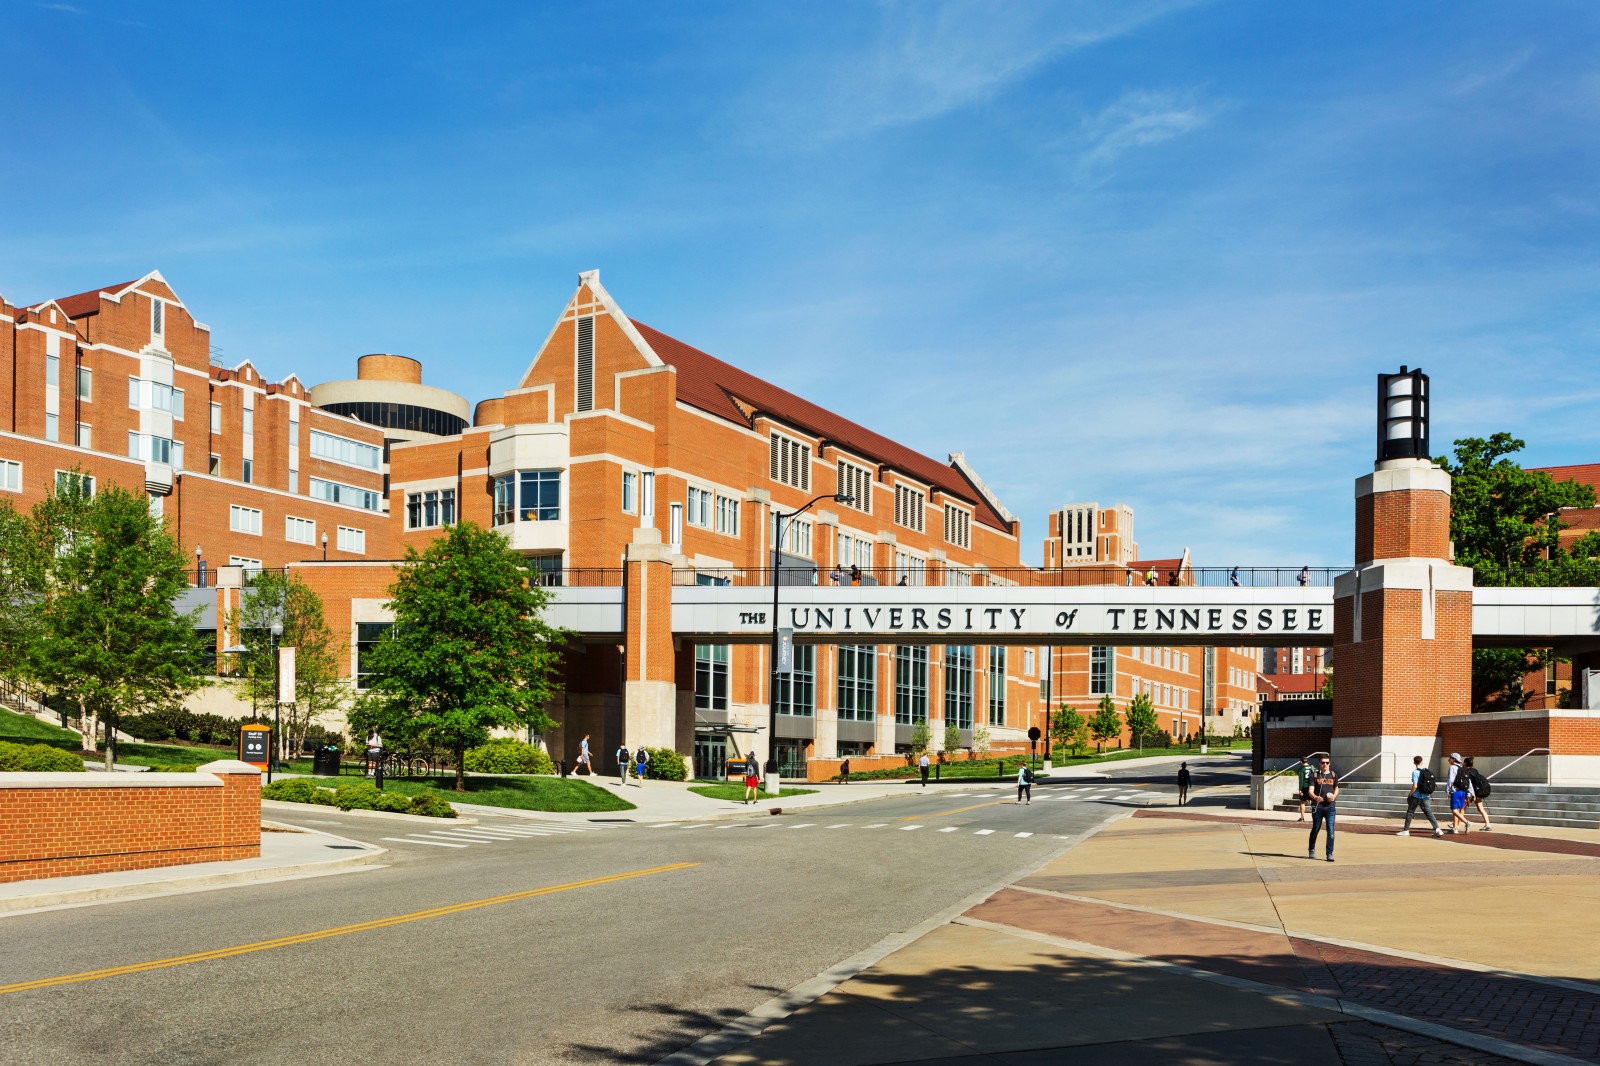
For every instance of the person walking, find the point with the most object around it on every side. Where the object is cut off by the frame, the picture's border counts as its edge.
(1304, 577)
(844, 772)
(1025, 784)
(624, 760)
(583, 756)
(1233, 577)
(923, 763)
(1423, 783)
(855, 574)
(1150, 577)
(1325, 794)
(374, 752)
(1183, 783)
(1303, 772)
(1455, 783)
(837, 575)
(752, 778)
(1477, 791)
(641, 763)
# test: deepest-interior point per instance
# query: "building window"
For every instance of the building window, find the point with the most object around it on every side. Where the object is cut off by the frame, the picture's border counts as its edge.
(52, 430)
(244, 519)
(790, 462)
(10, 475)
(247, 473)
(85, 384)
(352, 540)
(958, 685)
(858, 682)
(675, 526)
(157, 318)
(349, 495)
(249, 420)
(404, 416)
(796, 536)
(214, 467)
(700, 504)
(909, 505)
(251, 566)
(630, 492)
(997, 684)
(527, 496)
(711, 677)
(544, 570)
(854, 551)
(72, 483)
(728, 515)
(856, 482)
(910, 569)
(85, 435)
(216, 418)
(647, 497)
(955, 577)
(150, 449)
(177, 404)
(910, 684)
(957, 526)
(584, 358)
(299, 530)
(796, 692)
(367, 636)
(1028, 661)
(1099, 670)
(435, 507)
(346, 451)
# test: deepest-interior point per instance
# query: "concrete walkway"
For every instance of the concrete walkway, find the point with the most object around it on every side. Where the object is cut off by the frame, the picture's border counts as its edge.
(1180, 937)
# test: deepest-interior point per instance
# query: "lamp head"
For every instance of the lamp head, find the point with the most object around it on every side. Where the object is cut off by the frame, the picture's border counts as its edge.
(324, 539)
(843, 497)
(197, 551)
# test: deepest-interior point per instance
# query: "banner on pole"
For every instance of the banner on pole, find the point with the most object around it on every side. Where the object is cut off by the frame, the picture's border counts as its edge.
(785, 651)
(285, 675)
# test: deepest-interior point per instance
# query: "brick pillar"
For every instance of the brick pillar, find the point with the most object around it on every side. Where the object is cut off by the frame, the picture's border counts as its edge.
(650, 689)
(1402, 624)
(241, 808)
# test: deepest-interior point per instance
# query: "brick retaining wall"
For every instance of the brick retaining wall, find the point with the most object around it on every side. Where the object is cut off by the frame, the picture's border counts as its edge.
(58, 825)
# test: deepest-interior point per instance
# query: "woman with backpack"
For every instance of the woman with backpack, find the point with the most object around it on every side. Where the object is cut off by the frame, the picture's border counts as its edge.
(641, 762)
(1477, 791)
(752, 779)
(1025, 784)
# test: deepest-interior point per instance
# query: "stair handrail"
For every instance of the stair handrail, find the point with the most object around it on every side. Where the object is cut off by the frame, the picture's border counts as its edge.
(1369, 758)
(1519, 758)
(1304, 758)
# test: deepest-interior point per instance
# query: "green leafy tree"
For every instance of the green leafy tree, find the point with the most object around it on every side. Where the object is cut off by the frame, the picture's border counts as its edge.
(18, 616)
(1141, 719)
(921, 737)
(1105, 723)
(952, 736)
(109, 639)
(283, 599)
(1505, 523)
(1070, 727)
(469, 650)
(982, 739)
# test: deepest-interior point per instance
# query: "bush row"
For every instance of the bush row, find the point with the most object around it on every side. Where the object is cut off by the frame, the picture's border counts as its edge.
(38, 757)
(666, 765)
(358, 796)
(506, 756)
(177, 723)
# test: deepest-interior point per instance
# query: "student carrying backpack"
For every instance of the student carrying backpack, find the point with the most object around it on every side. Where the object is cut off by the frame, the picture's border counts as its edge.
(641, 759)
(1480, 784)
(1427, 781)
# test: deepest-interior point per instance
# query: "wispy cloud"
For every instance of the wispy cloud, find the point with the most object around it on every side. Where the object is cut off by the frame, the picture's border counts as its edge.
(65, 8)
(1470, 81)
(1136, 120)
(925, 60)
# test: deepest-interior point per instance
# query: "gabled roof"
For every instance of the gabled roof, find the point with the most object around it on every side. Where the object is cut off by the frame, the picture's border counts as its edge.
(1275, 684)
(87, 303)
(708, 383)
(1583, 473)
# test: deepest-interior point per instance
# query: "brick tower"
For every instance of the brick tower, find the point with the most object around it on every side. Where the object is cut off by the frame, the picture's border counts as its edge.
(1403, 616)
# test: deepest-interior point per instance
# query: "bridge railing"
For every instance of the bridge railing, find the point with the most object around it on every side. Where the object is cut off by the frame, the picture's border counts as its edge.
(1098, 574)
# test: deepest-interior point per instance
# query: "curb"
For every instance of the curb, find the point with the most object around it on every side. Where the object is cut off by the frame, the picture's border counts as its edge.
(284, 806)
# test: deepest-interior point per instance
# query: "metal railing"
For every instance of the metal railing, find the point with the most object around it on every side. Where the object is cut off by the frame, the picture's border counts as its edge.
(1088, 575)
(1519, 758)
(572, 577)
(1304, 758)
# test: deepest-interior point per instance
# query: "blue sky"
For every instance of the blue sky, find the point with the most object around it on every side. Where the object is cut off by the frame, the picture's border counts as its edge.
(1143, 253)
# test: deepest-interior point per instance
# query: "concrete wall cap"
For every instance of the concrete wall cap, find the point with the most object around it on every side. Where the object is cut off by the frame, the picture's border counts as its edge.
(229, 766)
(1399, 475)
(38, 779)
(1408, 573)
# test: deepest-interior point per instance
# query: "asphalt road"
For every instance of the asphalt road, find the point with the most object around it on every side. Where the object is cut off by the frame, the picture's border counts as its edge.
(620, 944)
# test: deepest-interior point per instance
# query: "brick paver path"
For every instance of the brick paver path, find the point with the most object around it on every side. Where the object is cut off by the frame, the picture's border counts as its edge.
(1502, 840)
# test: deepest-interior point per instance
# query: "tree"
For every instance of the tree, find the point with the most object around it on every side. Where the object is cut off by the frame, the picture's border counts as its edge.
(107, 575)
(18, 615)
(921, 737)
(1505, 523)
(1327, 685)
(1105, 723)
(282, 598)
(1070, 727)
(469, 650)
(952, 736)
(981, 740)
(1141, 718)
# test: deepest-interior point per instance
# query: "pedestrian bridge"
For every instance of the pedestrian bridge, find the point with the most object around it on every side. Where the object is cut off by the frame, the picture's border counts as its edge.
(1565, 618)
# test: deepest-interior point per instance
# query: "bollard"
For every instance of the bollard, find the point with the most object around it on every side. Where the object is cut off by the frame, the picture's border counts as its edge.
(1000, 770)
(377, 773)
(563, 765)
(936, 768)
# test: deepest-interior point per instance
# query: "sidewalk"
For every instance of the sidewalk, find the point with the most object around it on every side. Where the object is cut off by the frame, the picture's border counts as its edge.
(671, 801)
(1180, 936)
(284, 855)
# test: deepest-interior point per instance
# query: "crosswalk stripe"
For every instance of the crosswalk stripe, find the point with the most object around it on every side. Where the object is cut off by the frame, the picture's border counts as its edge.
(875, 825)
(1024, 835)
(435, 843)
(663, 825)
(841, 825)
(803, 825)
(950, 829)
(908, 828)
(982, 832)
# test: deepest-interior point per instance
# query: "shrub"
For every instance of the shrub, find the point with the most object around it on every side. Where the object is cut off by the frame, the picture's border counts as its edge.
(357, 796)
(394, 801)
(506, 756)
(667, 765)
(431, 805)
(36, 758)
(323, 796)
(293, 790)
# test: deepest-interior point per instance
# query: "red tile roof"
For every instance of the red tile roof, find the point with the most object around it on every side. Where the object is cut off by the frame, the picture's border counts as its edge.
(712, 385)
(1297, 684)
(86, 303)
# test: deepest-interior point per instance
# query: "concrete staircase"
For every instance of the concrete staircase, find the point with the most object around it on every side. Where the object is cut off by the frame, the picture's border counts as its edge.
(1570, 806)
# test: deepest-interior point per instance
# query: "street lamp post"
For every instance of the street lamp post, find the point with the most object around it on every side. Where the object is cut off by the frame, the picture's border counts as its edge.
(277, 724)
(324, 546)
(772, 687)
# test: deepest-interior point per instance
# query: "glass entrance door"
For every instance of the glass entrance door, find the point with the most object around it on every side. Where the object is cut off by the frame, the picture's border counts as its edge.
(710, 756)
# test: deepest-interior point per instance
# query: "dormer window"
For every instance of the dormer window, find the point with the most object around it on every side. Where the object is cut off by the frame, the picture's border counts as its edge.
(791, 462)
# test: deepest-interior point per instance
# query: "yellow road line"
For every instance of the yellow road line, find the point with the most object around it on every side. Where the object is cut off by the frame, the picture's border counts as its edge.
(324, 934)
(958, 810)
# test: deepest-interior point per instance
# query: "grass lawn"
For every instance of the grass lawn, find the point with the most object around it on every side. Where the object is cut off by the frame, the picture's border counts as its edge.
(523, 793)
(736, 792)
(165, 756)
(25, 728)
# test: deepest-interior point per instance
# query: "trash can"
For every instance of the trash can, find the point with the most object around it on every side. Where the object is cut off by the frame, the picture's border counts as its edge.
(325, 761)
